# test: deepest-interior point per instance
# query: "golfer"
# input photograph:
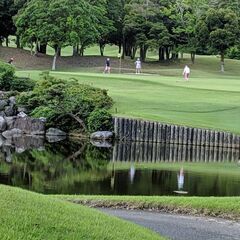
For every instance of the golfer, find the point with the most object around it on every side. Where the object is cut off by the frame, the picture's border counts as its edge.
(107, 66)
(186, 72)
(138, 66)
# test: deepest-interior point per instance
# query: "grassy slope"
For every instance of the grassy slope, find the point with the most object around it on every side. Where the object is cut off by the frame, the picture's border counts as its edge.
(26, 215)
(226, 207)
(209, 100)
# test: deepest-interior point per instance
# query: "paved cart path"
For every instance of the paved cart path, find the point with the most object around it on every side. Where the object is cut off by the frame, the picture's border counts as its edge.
(181, 227)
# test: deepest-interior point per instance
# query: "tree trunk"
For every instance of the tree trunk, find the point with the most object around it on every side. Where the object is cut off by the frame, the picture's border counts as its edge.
(31, 48)
(143, 52)
(75, 51)
(134, 51)
(81, 51)
(119, 48)
(36, 48)
(167, 53)
(55, 58)
(102, 46)
(222, 62)
(79, 120)
(43, 48)
(7, 41)
(193, 54)
(161, 54)
(18, 42)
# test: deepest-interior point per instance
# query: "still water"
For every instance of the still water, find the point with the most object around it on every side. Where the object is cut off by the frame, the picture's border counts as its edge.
(75, 167)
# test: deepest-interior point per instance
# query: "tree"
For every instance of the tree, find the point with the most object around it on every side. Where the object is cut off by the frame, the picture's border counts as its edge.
(65, 102)
(218, 30)
(7, 27)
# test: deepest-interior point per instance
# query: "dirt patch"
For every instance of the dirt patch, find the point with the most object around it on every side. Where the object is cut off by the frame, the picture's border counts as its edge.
(157, 208)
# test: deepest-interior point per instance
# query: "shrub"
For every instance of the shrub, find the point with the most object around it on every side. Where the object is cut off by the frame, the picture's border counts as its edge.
(64, 102)
(234, 52)
(22, 84)
(8, 82)
(6, 76)
(100, 120)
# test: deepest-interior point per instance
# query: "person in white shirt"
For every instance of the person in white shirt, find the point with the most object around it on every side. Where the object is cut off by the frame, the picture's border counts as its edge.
(138, 66)
(186, 73)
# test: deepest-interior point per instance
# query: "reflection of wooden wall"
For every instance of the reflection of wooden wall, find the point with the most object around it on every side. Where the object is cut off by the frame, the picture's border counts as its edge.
(154, 132)
(154, 152)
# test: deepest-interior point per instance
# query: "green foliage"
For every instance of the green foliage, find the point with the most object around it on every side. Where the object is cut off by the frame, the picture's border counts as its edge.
(218, 30)
(64, 102)
(234, 52)
(100, 120)
(6, 76)
(8, 81)
(22, 84)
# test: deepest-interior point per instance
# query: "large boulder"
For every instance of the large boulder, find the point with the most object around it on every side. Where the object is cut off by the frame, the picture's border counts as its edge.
(10, 121)
(33, 126)
(12, 101)
(102, 135)
(9, 134)
(54, 139)
(101, 143)
(55, 132)
(3, 124)
(10, 111)
(3, 104)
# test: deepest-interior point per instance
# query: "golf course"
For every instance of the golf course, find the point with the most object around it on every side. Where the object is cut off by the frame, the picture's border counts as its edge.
(210, 99)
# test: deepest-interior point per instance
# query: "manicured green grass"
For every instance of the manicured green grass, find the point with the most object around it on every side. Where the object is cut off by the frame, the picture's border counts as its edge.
(209, 100)
(223, 168)
(227, 207)
(26, 215)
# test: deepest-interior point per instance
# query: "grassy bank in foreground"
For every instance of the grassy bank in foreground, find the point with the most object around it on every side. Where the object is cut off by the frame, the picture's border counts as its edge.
(225, 207)
(26, 215)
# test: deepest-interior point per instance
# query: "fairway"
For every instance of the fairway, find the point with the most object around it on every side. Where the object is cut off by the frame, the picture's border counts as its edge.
(209, 100)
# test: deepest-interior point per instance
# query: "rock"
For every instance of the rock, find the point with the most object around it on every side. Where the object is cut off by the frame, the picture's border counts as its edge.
(22, 115)
(12, 101)
(10, 111)
(55, 132)
(3, 124)
(101, 144)
(32, 126)
(43, 119)
(22, 109)
(3, 104)
(53, 139)
(12, 133)
(2, 114)
(102, 135)
(10, 121)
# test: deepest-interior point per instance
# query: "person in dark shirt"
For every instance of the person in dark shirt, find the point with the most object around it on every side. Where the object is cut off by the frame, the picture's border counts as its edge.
(107, 66)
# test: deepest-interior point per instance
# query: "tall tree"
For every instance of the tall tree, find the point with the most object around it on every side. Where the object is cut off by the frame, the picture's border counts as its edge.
(218, 30)
(7, 27)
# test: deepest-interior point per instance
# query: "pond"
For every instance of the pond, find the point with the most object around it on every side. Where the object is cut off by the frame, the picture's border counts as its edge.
(78, 167)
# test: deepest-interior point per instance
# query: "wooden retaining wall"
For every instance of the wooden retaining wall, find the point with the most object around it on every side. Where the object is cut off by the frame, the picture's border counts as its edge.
(163, 152)
(154, 132)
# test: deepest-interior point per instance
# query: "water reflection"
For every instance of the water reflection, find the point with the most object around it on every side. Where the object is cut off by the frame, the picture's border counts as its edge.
(77, 167)
(155, 152)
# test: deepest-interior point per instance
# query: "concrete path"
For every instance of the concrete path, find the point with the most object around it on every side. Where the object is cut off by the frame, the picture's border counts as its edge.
(181, 227)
